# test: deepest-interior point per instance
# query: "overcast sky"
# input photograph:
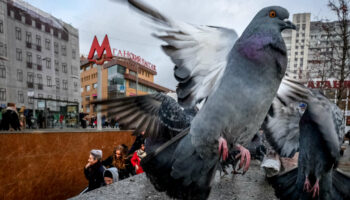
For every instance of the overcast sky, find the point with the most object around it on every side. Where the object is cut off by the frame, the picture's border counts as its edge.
(127, 29)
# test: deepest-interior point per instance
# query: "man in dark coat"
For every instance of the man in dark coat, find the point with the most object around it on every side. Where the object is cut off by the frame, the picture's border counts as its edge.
(10, 118)
(94, 170)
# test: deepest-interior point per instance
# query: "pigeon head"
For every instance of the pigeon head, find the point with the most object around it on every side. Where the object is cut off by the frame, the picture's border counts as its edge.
(265, 30)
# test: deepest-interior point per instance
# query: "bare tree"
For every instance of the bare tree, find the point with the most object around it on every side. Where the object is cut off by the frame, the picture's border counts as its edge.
(338, 45)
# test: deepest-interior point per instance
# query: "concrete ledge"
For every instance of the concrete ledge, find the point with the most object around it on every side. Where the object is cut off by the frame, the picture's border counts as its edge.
(248, 187)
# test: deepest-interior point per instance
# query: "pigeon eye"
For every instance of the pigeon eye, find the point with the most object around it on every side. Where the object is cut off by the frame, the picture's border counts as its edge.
(272, 14)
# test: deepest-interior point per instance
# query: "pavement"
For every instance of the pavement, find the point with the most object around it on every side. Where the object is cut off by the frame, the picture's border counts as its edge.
(250, 186)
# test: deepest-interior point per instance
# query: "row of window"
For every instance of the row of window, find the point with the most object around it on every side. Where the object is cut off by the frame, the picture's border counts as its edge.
(18, 34)
(88, 87)
(20, 96)
(88, 77)
(141, 87)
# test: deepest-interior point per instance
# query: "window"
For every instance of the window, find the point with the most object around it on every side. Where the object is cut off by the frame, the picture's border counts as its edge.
(64, 67)
(57, 66)
(75, 86)
(73, 54)
(18, 33)
(48, 81)
(2, 70)
(40, 78)
(55, 47)
(19, 54)
(2, 94)
(29, 57)
(3, 49)
(48, 63)
(87, 98)
(38, 40)
(47, 44)
(30, 100)
(29, 37)
(49, 96)
(20, 97)
(57, 83)
(1, 26)
(19, 75)
(65, 84)
(132, 84)
(87, 108)
(87, 88)
(81, 89)
(64, 50)
(30, 77)
(95, 85)
(38, 59)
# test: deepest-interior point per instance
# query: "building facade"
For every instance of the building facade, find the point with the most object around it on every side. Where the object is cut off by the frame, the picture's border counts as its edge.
(120, 77)
(39, 58)
(313, 48)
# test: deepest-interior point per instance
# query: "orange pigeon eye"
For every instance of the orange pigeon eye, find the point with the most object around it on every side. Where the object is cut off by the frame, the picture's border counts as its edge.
(272, 14)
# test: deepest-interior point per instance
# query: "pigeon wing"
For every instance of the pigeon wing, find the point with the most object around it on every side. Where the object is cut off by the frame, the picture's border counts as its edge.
(198, 52)
(282, 122)
(159, 115)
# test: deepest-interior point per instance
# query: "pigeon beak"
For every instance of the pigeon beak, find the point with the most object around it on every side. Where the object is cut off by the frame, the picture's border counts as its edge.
(288, 24)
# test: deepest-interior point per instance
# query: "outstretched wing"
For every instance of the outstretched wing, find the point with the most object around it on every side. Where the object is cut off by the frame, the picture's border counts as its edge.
(198, 52)
(282, 122)
(159, 115)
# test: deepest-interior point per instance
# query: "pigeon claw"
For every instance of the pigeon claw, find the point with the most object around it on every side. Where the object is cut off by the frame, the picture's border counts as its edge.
(315, 189)
(307, 185)
(223, 150)
(245, 158)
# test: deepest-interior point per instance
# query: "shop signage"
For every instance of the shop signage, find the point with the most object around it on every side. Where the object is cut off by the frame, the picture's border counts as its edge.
(136, 58)
(327, 84)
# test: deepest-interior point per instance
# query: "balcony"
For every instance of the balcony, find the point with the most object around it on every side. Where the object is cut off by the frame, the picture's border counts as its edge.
(38, 48)
(39, 67)
(28, 45)
(40, 86)
(30, 84)
(29, 65)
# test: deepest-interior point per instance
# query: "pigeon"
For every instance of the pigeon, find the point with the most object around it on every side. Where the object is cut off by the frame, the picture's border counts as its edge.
(235, 80)
(316, 134)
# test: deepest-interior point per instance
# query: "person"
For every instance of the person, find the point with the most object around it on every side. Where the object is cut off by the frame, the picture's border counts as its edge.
(111, 175)
(137, 143)
(61, 120)
(121, 161)
(10, 119)
(94, 170)
(22, 117)
(137, 157)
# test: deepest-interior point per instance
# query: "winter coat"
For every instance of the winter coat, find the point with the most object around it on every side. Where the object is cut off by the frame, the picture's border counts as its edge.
(94, 174)
(135, 160)
(123, 173)
(9, 120)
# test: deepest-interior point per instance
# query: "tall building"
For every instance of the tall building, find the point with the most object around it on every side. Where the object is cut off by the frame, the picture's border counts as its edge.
(122, 76)
(39, 58)
(312, 52)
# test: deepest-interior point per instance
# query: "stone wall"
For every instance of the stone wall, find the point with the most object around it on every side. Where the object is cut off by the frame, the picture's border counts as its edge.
(49, 165)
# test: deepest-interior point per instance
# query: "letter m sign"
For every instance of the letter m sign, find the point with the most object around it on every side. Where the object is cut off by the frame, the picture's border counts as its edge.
(95, 47)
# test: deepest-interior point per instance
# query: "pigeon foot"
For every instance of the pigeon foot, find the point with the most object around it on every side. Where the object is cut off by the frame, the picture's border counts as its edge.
(223, 148)
(307, 185)
(245, 158)
(315, 189)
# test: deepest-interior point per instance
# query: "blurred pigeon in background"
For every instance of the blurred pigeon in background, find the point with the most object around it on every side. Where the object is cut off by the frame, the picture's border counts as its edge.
(235, 80)
(317, 134)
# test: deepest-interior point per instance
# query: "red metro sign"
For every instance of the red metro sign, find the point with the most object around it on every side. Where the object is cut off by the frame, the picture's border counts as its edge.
(96, 47)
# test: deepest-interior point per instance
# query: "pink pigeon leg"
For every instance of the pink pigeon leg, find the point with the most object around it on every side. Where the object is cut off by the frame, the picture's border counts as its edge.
(315, 189)
(307, 185)
(223, 147)
(245, 158)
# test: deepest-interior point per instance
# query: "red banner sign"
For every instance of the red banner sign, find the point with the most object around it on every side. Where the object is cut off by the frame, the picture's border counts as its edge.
(138, 59)
(327, 84)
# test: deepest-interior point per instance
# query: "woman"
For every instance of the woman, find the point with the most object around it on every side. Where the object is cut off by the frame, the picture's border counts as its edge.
(120, 161)
(137, 157)
(94, 170)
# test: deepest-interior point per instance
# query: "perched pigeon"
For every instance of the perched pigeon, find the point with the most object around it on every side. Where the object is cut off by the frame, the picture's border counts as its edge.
(236, 79)
(317, 135)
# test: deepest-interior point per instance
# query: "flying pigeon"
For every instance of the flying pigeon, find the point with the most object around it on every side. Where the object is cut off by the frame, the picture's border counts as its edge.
(236, 78)
(317, 135)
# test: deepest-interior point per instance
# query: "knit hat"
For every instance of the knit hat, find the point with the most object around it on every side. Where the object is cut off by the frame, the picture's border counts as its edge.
(96, 153)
